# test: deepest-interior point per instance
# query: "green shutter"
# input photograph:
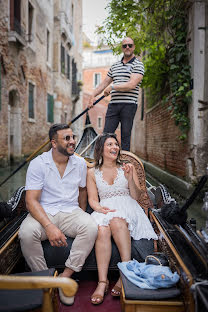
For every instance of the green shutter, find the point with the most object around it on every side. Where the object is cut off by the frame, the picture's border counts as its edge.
(50, 105)
(62, 59)
(68, 66)
(31, 101)
(0, 82)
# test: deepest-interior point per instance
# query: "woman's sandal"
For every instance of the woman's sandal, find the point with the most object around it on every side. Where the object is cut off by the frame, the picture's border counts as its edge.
(116, 291)
(99, 297)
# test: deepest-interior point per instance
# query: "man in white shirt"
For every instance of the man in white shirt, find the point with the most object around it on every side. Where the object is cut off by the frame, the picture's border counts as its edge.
(56, 198)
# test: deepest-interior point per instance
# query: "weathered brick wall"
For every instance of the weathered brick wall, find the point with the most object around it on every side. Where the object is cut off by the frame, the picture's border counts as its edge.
(163, 147)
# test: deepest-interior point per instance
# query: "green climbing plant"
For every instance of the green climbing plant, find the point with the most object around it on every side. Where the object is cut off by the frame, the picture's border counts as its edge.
(159, 30)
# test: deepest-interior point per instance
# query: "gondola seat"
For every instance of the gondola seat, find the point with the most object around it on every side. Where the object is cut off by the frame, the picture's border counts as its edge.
(33, 291)
(134, 298)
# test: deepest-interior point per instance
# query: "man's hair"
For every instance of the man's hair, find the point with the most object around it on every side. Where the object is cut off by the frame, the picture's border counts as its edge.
(56, 127)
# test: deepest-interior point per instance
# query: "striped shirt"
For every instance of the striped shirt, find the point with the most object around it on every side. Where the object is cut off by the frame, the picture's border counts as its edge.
(121, 73)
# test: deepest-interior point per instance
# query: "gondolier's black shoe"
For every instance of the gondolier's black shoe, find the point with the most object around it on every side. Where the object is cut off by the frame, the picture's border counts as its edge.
(10, 208)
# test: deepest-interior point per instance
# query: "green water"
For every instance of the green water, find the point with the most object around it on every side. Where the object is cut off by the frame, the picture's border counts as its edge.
(17, 180)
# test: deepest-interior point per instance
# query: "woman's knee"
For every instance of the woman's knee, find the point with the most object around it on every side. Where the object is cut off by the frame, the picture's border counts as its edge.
(104, 233)
(118, 224)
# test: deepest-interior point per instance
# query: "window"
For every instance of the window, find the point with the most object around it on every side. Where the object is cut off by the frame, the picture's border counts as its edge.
(50, 104)
(0, 82)
(15, 15)
(30, 22)
(142, 106)
(75, 89)
(48, 45)
(31, 101)
(65, 118)
(99, 122)
(68, 67)
(72, 19)
(62, 59)
(97, 79)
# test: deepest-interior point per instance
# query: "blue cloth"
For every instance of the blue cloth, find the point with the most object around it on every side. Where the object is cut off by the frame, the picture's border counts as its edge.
(148, 276)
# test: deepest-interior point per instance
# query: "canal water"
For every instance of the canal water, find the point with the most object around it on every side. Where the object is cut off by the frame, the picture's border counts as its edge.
(6, 191)
(17, 180)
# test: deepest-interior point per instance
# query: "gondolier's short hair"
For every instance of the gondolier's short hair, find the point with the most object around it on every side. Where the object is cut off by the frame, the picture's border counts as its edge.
(56, 127)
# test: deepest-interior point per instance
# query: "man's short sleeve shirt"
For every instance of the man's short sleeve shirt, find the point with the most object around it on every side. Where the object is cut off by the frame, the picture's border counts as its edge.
(121, 73)
(58, 194)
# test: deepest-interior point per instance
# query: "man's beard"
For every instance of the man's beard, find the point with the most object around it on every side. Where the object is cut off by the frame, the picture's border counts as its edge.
(63, 151)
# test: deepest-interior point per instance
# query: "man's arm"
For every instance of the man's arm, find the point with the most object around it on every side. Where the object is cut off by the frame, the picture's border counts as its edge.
(134, 80)
(54, 235)
(98, 90)
(82, 199)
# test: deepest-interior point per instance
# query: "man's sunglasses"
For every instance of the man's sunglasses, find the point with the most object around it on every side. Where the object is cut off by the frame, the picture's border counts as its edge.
(69, 137)
(124, 46)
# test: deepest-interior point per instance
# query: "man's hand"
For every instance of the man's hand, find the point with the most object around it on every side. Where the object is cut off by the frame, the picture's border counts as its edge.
(107, 91)
(91, 101)
(55, 236)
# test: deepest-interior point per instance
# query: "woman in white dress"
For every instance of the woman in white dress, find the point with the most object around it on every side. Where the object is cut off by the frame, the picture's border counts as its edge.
(112, 193)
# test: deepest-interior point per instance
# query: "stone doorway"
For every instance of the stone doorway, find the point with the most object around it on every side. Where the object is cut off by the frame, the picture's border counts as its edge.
(14, 127)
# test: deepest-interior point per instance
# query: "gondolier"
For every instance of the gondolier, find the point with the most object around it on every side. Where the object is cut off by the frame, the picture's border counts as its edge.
(122, 82)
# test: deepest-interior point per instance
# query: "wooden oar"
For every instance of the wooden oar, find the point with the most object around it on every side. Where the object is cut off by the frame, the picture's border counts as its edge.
(44, 144)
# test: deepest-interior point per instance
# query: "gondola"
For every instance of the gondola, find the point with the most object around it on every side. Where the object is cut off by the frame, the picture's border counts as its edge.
(185, 249)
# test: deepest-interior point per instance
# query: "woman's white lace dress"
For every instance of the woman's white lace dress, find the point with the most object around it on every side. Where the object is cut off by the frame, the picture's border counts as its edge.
(117, 196)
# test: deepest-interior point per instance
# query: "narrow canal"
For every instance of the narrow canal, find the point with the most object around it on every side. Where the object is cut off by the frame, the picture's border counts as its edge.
(17, 180)
(6, 191)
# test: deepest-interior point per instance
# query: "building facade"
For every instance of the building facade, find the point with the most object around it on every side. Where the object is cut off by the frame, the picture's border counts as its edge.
(155, 135)
(40, 65)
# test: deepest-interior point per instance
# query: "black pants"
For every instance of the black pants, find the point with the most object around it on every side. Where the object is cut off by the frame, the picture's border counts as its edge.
(123, 113)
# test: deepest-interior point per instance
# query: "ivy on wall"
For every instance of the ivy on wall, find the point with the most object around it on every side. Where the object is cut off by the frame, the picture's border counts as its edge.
(159, 30)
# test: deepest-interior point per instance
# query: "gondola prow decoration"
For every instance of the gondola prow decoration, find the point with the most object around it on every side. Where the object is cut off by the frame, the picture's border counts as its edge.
(44, 144)
(171, 211)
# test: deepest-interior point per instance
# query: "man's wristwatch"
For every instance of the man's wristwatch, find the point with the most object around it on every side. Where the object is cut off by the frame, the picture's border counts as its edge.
(112, 86)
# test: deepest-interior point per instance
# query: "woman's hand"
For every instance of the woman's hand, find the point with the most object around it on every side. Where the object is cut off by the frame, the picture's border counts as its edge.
(128, 171)
(105, 210)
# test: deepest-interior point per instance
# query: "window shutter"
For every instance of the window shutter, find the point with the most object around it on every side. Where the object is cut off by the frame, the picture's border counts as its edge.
(50, 105)
(0, 83)
(31, 101)
(62, 59)
(68, 67)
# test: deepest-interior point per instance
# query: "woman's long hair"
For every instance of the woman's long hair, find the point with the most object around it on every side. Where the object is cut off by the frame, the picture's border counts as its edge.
(99, 147)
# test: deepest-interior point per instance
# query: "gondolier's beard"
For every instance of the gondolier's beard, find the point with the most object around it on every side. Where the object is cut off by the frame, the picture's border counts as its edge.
(64, 151)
